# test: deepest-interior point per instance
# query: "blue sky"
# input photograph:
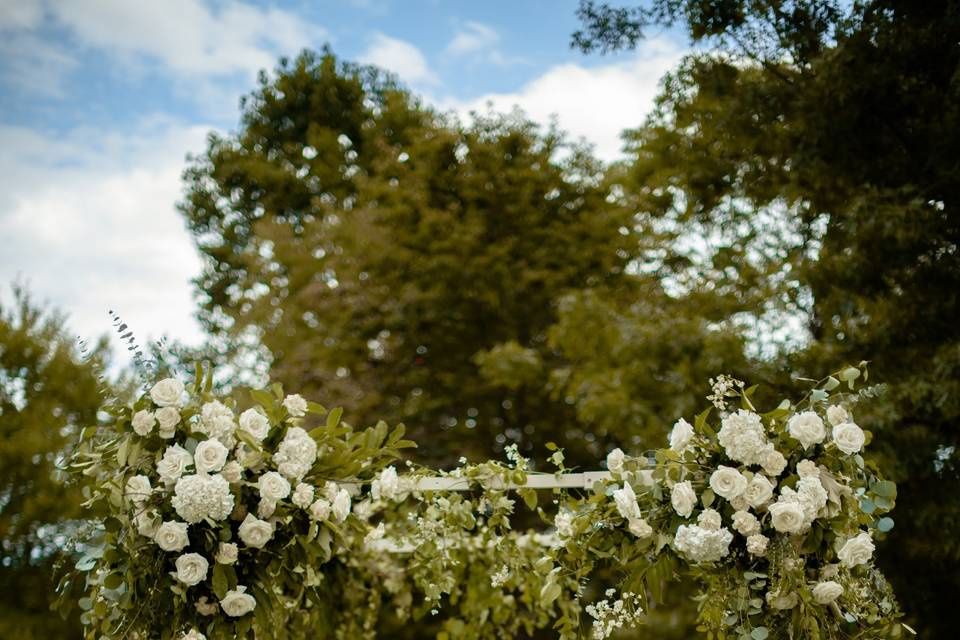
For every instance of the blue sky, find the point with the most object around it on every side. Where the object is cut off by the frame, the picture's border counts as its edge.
(100, 101)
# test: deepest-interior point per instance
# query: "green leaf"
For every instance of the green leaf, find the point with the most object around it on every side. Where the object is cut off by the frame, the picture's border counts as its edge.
(220, 585)
(707, 497)
(113, 581)
(550, 592)
(333, 418)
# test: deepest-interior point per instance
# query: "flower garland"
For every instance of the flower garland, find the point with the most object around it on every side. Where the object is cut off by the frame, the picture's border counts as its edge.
(220, 523)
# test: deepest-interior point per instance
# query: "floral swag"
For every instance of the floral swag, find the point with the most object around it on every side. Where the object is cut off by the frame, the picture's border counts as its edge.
(212, 522)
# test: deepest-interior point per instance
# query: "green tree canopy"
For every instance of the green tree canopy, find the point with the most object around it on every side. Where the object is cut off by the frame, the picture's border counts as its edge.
(47, 394)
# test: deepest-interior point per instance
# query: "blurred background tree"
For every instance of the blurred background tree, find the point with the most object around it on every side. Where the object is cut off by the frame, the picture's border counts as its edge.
(828, 133)
(47, 393)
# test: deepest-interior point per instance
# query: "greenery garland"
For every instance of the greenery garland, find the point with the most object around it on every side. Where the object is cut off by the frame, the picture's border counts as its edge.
(221, 523)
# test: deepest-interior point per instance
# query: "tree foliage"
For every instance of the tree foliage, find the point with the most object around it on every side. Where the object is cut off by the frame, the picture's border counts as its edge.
(838, 121)
(47, 392)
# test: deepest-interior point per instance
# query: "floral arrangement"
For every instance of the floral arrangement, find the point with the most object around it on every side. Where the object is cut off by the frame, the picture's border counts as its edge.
(219, 522)
(775, 513)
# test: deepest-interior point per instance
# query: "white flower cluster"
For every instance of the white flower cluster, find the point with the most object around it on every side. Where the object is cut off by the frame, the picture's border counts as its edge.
(216, 421)
(386, 486)
(626, 611)
(626, 501)
(743, 438)
(706, 541)
(202, 496)
(296, 454)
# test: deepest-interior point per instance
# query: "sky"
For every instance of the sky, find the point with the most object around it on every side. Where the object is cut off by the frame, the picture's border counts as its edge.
(101, 101)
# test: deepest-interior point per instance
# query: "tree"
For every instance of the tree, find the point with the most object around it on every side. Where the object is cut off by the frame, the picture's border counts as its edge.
(47, 393)
(840, 123)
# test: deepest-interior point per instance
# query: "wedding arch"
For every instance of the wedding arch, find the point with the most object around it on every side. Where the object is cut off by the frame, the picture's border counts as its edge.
(212, 522)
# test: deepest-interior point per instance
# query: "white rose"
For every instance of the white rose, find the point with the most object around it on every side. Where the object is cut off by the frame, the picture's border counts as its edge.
(683, 498)
(210, 456)
(232, 472)
(172, 536)
(857, 550)
(273, 486)
(757, 544)
(341, 506)
(237, 603)
(615, 461)
(387, 485)
(640, 528)
(167, 393)
(727, 482)
(681, 435)
(626, 501)
(320, 510)
(848, 437)
(227, 553)
(787, 516)
(564, 524)
(296, 406)
(143, 422)
(266, 508)
(176, 460)
(808, 469)
(193, 634)
(168, 418)
(147, 523)
(303, 495)
(837, 415)
(191, 568)
(745, 523)
(710, 520)
(773, 462)
(255, 423)
(807, 428)
(138, 489)
(255, 532)
(788, 601)
(759, 491)
(827, 592)
(206, 608)
(740, 503)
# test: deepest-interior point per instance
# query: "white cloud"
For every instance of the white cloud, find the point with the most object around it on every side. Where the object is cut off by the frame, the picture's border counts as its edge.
(184, 36)
(473, 36)
(88, 220)
(34, 65)
(400, 57)
(596, 103)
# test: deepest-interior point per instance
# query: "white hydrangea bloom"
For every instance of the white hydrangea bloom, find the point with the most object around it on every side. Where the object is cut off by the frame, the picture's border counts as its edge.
(296, 453)
(202, 496)
(702, 545)
(216, 421)
(743, 438)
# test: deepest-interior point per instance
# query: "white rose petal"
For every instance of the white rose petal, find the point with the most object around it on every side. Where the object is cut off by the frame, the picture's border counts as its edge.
(255, 423)
(191, 568)
(710, 520)
(640, 528)
(320, 510)
(759, 491)
(757, 544)
(273, 486)
(826, 592)
(837, 415)
(773, 462)
(681, 435)
(615, 461)
(227, 553)
(210, 456)
(143, 422)
(807, 428)
(138, 489)
(266, 508)
(683, 498)
(232, 472)
(167, 393)
(849, 438)
(787, 517)
(255, 532)
(237, 603)
(727, 482)
(341, 505)
(172, 536)
(626, 501)
(745, 523)
(168, 418)
(856, 551)
(808, 469)
(176, 460)
(296, 406)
